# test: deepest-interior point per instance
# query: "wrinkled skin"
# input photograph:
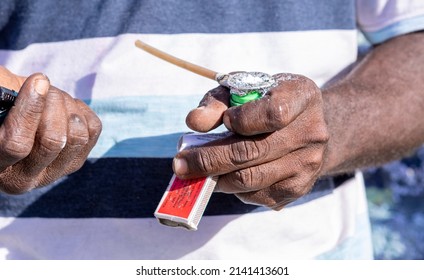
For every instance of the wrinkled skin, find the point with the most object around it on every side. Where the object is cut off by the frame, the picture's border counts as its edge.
(47, 134)
(298, 133)
(276, 153)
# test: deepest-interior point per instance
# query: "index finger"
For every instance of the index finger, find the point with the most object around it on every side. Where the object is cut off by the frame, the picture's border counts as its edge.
(210, 111)
(18, 130)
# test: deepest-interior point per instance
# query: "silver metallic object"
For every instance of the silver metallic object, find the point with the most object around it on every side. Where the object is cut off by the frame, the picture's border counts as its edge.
(243, 83)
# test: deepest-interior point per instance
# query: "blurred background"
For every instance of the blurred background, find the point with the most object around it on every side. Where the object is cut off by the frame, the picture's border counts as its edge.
(395, 195)
(396, 206)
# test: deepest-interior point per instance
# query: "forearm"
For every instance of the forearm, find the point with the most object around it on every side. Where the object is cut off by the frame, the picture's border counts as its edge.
(376, 113)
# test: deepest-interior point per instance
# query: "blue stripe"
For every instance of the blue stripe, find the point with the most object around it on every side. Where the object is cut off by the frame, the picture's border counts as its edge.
(31, 21)
(396, 29)
(109, 188)
(141, 126)
(122, 188)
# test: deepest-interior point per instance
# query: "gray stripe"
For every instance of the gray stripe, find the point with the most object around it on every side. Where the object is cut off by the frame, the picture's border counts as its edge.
(31, 21)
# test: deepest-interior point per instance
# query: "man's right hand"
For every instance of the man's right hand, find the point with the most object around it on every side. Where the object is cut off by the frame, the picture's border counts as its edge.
(47, 134)
(277, 148)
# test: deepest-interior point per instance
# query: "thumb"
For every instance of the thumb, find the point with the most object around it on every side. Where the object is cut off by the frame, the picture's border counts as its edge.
(23, 119)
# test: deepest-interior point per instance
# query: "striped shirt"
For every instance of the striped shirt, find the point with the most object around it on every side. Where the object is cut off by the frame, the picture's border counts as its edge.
(105, 210)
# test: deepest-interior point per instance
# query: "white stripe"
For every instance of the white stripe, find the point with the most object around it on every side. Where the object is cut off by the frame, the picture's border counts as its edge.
(377, 14)
(111, 67)
(104, 69)
(304, 231)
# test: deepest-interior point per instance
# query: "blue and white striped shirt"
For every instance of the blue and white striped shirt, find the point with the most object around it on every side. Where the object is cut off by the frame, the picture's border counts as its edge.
(105, 210)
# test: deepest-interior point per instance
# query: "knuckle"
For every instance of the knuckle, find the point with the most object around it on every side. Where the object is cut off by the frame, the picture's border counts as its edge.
(323, 135)
(308, 91)
(317, 133)
(77, 139)
(78, 131)
(52, 143)
(299, 185)
(248, 150)
(278, 115)
(244, 179)
(16, 148)
(205, 162)
(307, 163)
(314, 160)
(277, 196)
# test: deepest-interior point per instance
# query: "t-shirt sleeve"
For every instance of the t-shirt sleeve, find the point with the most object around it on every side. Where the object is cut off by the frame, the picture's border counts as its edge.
(380, 20)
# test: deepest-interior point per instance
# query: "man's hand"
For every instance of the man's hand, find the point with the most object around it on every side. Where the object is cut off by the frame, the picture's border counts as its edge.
(47, 134)
(276, 152)
(373, 114)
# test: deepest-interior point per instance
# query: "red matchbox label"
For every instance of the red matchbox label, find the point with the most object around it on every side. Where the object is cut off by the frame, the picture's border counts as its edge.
(181, 197)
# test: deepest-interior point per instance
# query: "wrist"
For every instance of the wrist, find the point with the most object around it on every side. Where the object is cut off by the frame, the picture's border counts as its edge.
(336, 102)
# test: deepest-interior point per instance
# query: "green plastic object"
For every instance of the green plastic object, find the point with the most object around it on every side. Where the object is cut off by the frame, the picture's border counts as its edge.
(236, 100)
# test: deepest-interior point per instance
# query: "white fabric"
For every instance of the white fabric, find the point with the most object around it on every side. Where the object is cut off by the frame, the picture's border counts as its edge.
(142, 101)
(301, 232)
(377, 14)
(141, 74)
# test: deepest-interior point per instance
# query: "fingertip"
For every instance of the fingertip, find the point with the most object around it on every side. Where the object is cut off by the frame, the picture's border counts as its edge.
(204, 119)
(180, 166)
(38, 83)
(42, 85)
(209, 113)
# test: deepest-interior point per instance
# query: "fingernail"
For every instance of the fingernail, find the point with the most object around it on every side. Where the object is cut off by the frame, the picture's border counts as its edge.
(180, 166)
(41, 86)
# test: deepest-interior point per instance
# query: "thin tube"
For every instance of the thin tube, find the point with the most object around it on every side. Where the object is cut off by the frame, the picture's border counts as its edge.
(202, 71)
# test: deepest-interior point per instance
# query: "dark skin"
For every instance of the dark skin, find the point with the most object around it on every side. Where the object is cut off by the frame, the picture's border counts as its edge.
(47, 134)
(298, 133)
